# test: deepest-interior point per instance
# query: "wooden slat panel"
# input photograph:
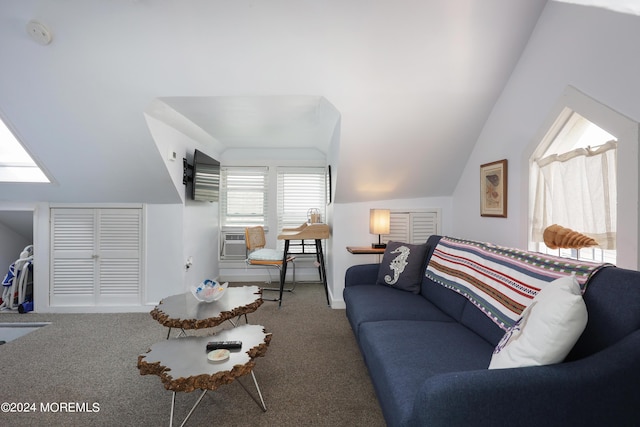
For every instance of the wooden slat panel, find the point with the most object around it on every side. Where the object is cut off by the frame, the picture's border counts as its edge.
(96, 256)
(119, 277)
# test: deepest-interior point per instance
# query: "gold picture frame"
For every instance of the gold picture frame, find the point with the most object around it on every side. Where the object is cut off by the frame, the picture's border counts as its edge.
(493, 189)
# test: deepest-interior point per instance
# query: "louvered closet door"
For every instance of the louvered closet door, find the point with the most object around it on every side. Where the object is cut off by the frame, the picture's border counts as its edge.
(73, 265)
(119, 256)
(423, 225)
(412, 227)
(399, 228)
(96, 257)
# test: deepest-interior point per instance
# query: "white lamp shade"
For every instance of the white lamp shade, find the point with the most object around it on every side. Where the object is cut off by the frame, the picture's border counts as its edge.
(379, 221)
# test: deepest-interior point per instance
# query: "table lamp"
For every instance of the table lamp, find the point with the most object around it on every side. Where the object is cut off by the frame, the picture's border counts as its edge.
(379, 223)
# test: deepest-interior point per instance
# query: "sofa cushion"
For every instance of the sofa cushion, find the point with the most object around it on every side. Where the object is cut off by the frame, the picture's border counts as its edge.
(613, 304)
(370, 303)
(402, 266)
(402, 354)
(547, 330)
(445, 299)
(481, 324)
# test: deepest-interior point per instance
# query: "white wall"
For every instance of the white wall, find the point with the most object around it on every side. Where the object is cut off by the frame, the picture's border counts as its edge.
(201, 237)
(174, 233)
(589, 48)
(351, 228)
(164, 252)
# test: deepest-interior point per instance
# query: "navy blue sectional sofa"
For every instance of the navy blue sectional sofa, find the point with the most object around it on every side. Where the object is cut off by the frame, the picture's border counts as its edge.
(427, 355)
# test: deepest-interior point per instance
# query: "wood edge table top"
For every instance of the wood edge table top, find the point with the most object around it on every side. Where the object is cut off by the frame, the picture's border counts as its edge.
(360, 250)
(182, 364)
(186, 312)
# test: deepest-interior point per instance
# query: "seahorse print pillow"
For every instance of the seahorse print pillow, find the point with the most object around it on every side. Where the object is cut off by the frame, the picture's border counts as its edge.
(402, 266)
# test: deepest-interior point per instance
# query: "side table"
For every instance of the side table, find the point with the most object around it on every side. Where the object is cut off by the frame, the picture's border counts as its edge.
(365, 250)
(182, 364)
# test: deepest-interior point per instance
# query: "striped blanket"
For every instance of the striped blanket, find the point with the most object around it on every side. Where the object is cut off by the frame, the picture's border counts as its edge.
(500, 281)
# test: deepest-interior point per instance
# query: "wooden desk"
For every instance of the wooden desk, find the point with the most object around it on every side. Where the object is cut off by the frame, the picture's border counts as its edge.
(306, 231)
(368, 250)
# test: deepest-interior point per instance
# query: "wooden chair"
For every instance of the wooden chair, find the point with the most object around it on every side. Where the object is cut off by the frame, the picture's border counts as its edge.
(258, 255)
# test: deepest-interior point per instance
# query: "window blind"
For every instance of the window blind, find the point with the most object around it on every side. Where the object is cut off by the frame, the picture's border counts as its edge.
(243, 198)
(299, 189)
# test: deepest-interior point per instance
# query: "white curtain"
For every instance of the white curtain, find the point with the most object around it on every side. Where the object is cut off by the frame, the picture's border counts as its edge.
(577, 190)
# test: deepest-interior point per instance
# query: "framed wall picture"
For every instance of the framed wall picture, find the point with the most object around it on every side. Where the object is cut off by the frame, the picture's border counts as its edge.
(493, 189)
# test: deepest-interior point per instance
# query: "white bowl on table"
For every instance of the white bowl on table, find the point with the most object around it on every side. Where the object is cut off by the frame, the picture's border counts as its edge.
(209, 290)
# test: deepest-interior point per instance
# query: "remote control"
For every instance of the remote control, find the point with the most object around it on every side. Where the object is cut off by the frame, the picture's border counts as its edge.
(230, 345)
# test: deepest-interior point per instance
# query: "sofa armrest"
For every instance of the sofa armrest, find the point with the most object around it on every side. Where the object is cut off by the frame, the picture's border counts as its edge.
(601, 389)
(362, 274)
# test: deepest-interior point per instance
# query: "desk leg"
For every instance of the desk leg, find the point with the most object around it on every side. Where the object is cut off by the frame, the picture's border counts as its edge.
(322, 270)
(283, 271)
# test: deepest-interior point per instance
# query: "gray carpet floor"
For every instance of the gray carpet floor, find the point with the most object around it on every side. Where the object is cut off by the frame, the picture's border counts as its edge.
(311, 375)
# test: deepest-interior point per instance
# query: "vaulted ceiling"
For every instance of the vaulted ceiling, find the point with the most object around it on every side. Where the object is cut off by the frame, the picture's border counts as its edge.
(412, 80)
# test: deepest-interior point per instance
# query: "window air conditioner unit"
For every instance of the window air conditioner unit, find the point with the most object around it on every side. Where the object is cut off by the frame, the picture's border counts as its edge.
(233, 246)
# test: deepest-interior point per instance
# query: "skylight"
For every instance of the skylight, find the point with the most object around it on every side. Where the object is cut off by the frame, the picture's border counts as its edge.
(16, 165)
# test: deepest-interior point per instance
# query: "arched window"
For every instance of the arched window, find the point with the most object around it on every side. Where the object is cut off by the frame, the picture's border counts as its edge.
(574, 186)
(585, 132)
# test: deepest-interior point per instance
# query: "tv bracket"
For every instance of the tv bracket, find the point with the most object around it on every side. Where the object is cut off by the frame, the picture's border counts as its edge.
(187, 172)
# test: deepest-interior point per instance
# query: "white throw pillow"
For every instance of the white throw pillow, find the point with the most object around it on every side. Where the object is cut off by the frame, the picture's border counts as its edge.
(547, 330)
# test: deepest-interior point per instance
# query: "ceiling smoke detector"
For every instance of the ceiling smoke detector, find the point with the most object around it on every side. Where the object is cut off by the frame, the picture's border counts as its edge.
(39, 32)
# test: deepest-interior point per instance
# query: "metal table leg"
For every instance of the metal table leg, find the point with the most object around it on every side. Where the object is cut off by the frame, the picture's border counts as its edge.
(261, 403)
(194, 407)
(173, 405)
(182, 333)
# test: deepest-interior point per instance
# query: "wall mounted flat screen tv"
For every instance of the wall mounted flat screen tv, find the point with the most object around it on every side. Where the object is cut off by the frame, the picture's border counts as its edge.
(206, 178)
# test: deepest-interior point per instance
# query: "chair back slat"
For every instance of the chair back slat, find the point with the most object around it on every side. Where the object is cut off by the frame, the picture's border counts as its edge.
(254, 237)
